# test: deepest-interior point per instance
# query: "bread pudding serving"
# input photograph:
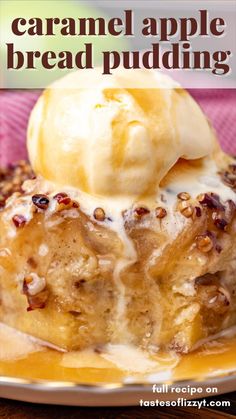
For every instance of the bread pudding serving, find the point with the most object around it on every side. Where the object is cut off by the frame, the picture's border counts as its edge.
(127, 232)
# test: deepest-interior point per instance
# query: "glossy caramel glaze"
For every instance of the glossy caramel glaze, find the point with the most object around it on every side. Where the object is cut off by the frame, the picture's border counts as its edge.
(212, 359)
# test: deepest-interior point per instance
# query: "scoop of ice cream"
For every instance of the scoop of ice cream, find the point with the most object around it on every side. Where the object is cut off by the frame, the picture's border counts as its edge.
(112, 138)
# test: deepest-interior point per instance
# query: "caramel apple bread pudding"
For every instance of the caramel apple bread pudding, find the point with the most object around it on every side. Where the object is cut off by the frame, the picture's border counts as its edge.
(126, 233)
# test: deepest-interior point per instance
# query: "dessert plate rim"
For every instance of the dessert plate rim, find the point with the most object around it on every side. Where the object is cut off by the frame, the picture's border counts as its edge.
(106, 394)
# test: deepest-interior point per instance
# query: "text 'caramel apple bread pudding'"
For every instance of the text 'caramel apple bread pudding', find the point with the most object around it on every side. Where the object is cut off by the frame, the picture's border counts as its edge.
(126, 235)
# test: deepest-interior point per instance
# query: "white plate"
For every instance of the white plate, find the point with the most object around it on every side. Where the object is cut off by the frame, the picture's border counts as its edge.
(120, 376)
(70, 394)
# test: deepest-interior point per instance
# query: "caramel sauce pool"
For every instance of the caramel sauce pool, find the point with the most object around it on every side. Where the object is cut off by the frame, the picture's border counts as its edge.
(212, 359)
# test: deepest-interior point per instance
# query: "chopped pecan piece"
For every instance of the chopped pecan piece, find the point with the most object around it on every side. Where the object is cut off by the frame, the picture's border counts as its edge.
(34, 288)
(19, 220)
(141, 211)
(211, 201)
(99, 214)
(160, 212)
(205, 242)
(41, 201)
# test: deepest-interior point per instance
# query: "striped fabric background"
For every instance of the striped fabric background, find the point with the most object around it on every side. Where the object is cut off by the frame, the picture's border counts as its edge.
(15, 107)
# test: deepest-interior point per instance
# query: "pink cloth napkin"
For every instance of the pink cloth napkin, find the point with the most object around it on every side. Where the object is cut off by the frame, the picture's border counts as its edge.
(220, 107)
(15, 107)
